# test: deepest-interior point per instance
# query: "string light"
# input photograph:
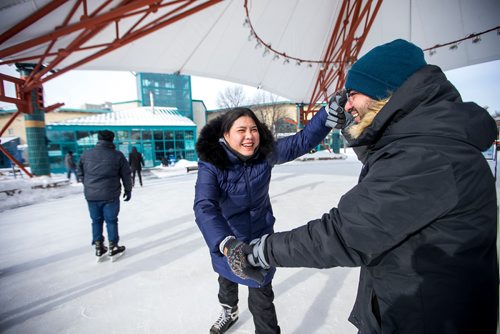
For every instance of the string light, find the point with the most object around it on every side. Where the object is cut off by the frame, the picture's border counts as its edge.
(277, 54)
(453, 45)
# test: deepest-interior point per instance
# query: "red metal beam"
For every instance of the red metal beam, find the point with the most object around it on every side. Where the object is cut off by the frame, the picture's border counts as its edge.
(14, 160)
(88, 26)
(342, 50)
(51, 6)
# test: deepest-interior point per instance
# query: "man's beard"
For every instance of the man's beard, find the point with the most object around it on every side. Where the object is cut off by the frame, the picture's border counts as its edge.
(372, 109)
(357, 129)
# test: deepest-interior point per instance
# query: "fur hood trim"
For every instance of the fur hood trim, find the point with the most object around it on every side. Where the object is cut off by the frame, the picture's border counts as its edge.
(210, 150)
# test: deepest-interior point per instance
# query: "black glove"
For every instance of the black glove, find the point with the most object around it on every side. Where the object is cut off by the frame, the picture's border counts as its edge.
(336, 114)
(236, 253)
(127, 195)
(257, 257)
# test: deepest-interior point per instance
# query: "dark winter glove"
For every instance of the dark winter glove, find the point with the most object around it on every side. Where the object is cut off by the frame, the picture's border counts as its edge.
(127, 196)
(336, 118)
(236, 253)
(257, 257)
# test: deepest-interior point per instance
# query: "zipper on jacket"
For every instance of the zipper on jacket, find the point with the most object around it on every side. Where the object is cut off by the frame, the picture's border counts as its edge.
(249, 192)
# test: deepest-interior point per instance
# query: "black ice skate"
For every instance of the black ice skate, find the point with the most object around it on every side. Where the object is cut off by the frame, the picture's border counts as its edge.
(100, 251)
(115, 251)
(227, 317)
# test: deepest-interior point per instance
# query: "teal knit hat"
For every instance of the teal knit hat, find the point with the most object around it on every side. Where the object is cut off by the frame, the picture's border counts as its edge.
(384, 68)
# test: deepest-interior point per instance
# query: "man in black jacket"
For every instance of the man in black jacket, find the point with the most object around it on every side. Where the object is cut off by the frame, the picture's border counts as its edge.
(422, 221)
(101, 169)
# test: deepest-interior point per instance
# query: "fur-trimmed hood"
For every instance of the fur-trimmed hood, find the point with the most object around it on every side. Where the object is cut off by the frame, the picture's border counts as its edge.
(209, 148)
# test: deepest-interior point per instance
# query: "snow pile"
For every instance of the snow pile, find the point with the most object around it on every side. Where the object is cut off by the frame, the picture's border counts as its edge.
(23, 191)
(179, 168)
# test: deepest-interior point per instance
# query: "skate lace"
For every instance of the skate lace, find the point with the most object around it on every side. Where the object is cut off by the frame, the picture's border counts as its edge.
(225, 317)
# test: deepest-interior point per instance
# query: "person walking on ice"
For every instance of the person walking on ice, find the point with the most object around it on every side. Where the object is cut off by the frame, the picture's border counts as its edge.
(101, 169)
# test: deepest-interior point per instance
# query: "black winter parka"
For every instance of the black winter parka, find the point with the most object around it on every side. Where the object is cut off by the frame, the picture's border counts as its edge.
(101, 169)
(422, 221)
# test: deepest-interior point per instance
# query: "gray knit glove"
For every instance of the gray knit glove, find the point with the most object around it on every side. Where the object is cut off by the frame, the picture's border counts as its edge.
(336, 118)
(236, 253)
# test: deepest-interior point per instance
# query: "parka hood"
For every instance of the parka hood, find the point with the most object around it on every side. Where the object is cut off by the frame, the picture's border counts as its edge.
(427, 104)
(209, 149)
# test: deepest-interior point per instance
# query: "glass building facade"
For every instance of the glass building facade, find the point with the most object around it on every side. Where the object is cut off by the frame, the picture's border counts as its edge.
(160, 134)
(167, 90)
(156, 144)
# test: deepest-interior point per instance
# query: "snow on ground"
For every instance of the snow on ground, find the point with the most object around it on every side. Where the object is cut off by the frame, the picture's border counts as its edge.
(50, 282)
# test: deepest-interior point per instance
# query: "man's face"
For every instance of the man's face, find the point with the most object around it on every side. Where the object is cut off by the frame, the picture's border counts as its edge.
(357, 104)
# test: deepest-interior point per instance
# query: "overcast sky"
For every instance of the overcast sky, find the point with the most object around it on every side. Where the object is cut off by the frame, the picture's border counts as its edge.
(478, 83)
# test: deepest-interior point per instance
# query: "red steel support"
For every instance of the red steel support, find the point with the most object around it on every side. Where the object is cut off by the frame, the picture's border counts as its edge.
(14, 160)
(342, 51)
(87, 26)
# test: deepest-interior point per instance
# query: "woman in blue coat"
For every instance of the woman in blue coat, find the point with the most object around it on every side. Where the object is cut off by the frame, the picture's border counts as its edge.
(237, 153)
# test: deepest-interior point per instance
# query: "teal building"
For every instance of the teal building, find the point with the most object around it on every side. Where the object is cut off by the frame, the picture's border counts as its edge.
(161, 128)
(157, 132)
(165, 90)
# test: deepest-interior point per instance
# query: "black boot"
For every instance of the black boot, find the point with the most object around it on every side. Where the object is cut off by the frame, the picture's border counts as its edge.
(100, 250)
(115, 251)
(227, 317)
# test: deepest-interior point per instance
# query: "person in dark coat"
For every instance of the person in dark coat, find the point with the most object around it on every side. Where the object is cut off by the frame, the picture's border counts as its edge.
(422, 221)
(136, 163)
(101, 169)
(237, 153)
(70, 164)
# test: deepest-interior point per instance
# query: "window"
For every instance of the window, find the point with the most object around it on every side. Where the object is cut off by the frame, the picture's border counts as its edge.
(158, 135)
(179, 135)
(146, 135)
(123, 135)
(135, 134)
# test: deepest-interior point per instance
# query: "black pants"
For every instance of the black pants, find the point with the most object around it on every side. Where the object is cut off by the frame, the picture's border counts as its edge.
(260, 304)
(133, 177)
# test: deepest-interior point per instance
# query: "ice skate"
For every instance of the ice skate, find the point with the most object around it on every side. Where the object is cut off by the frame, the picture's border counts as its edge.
(115, 251)
(227, 317)
(100, 251)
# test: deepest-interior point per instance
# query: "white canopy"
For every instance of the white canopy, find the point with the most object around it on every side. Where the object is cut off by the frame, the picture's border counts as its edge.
(215, 42)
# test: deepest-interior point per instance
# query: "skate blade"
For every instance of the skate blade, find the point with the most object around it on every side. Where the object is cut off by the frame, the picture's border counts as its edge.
(102, 258)
(116, 256)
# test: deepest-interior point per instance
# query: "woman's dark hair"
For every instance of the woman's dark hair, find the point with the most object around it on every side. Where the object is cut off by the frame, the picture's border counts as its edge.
(232, 115)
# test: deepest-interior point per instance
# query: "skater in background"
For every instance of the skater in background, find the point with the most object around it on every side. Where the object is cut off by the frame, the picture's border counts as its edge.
(232, 205)
(136, 163)
(101, 169)
(70, 164)
(422, 221)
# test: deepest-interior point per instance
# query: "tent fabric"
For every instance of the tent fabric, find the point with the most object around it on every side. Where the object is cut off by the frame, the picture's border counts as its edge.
(215, 42)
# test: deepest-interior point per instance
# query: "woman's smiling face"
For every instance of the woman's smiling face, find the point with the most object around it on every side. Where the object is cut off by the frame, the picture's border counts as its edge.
(243, 137)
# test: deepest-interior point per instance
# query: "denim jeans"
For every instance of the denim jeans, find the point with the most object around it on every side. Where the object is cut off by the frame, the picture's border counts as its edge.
(260, 304)
(107, 211)
(72, 170)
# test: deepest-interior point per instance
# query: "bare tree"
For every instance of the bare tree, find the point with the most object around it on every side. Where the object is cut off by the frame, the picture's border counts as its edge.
(231, 97)
(267, 107)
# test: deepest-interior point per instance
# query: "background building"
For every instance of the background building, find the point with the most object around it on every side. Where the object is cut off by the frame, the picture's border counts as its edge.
(159, 133)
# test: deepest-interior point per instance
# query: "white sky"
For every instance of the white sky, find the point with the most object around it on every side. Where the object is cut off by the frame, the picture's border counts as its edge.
(478, 83)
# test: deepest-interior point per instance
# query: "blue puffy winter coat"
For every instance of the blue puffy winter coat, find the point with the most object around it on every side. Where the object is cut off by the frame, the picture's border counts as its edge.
(232, 196)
